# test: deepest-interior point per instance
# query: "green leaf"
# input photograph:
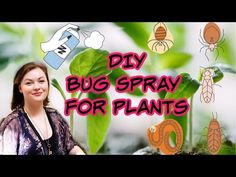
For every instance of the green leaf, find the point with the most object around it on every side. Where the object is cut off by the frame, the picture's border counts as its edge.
(55, 83)
(90, 62)
(173, 60)
(186, 89)
(3, 63)
(118, 72)
(225, 68)
(227, 54)
(218, 74)
(227, 148)
(137, 31)
(162, 94)
(18, 31)
(37, 38)
(97, 126)
(178, 31)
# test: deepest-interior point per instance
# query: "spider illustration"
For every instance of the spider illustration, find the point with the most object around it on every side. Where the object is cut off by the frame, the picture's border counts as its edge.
(161, 40)
(211, 40)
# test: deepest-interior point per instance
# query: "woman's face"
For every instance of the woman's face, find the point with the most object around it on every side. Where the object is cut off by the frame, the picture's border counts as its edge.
(34, 86)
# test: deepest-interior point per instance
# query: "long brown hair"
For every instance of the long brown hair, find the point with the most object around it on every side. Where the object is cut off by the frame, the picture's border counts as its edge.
(18, 98)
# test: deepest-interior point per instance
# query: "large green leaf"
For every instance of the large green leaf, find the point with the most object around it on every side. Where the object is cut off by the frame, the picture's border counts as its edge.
(118, 72)
(137, 31)
(186, 89)
(97, 126)
(173, 60)
(90, 62)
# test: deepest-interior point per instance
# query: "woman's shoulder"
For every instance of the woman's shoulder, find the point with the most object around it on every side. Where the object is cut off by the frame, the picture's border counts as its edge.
(10, 120)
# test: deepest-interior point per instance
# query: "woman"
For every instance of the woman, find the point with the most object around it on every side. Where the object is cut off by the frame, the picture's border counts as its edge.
(33, 128)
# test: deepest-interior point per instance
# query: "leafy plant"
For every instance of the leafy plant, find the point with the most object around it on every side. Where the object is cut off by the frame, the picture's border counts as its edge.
(93, 63)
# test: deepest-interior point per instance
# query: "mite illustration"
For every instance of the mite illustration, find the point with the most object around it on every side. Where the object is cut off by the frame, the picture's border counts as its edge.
(214, 136)
(211, 39)
(161, 39)
(159, 136)
(207, 93)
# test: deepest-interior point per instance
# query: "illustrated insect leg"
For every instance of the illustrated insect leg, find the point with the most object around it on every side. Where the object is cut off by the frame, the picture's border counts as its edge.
(206, 54)
(170, 41)
(222, 40)
(163, 45)
(203, 47)
(151, 40)
(221, 48)
(202, 42)
(156, 43)
(154, 29)
(200, 139)
(164, 26)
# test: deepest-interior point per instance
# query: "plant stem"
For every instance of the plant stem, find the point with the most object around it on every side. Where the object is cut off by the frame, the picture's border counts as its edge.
(191, 125)
(72, 115)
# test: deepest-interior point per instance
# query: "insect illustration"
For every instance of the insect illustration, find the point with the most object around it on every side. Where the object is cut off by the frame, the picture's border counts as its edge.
(214, 136)
(161, 39)
(211, 39)
(207, 93)
(159, 135)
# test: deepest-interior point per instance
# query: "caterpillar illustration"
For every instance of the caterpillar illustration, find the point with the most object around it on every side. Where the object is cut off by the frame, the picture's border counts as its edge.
(159, 136)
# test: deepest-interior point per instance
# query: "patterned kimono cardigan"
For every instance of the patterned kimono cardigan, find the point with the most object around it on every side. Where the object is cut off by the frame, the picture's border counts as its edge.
(18, 136)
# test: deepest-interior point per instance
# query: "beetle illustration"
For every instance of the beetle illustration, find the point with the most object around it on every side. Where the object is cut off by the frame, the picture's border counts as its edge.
(161, 39)
(211, 39)
(159, 135)
(214, 136)
(207, 93)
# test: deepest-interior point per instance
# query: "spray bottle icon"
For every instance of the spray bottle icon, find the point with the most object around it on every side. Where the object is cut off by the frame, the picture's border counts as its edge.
(56, 57)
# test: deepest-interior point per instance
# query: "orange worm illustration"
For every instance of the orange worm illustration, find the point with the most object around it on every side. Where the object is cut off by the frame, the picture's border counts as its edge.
(159, 136)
